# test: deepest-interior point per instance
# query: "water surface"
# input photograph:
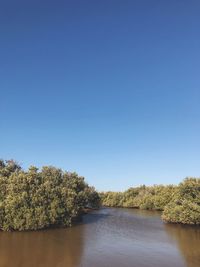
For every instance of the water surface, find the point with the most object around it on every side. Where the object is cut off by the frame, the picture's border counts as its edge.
(105, 238)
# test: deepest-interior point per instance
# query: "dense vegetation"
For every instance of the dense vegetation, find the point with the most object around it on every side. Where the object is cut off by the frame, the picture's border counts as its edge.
(180, 204)
(36, 199)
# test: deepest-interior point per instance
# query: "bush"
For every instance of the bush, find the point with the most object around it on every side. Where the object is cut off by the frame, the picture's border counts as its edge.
(111, 199)
(185, 205)
(186, 213)
(34, 199)
(144, 197)
(180, 204)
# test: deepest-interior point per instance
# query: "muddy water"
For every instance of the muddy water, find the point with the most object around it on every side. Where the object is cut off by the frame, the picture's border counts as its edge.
(105, 238)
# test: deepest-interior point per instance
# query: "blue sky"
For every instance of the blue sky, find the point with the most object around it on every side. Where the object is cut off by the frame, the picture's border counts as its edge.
(110, 89)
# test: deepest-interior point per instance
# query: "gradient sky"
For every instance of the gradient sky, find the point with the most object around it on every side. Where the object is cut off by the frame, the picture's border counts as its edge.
(109, 89)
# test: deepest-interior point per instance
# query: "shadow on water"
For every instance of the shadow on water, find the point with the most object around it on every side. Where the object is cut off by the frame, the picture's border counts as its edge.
(188, 241)
(48, 248)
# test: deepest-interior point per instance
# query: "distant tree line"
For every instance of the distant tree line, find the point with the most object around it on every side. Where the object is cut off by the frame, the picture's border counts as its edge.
(37, 199)
(179, 204)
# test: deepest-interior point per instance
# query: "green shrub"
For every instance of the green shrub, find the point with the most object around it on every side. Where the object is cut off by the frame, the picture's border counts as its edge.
(180, 204)
(187, 213)
(34, 199)
(111, 199)
(185, 205)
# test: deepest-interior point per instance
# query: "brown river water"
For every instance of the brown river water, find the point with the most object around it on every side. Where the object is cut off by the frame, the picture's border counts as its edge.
(110, 237)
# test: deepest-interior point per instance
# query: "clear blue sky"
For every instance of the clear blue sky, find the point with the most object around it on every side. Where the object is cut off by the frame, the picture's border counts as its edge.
(110, 89)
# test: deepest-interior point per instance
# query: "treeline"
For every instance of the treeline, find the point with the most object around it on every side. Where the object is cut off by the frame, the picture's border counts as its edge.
(179, 204)
(37, 199)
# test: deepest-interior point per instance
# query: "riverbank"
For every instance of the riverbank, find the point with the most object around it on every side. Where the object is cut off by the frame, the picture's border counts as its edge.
(179, 204)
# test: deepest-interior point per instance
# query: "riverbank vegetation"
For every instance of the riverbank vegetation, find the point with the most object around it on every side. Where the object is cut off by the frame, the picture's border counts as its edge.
(179, 204)
(37, 199)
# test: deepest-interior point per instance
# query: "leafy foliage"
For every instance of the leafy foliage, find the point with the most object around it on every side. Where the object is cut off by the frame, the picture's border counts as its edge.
(185, 206)
(34, 199)
(180, 204)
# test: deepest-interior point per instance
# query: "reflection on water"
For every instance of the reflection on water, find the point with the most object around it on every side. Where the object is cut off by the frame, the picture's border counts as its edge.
(105, 238)
(50, 248)
(188, 241)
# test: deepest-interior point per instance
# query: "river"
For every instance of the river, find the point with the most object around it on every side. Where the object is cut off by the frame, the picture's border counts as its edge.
(109, 237)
